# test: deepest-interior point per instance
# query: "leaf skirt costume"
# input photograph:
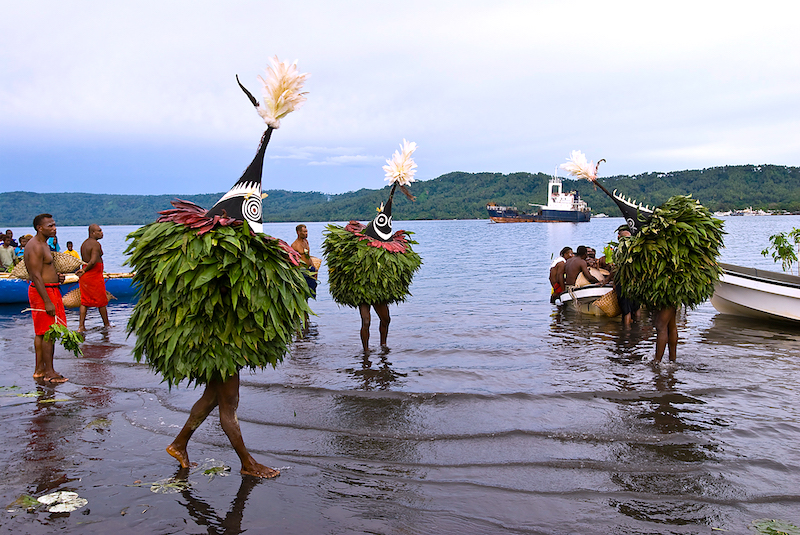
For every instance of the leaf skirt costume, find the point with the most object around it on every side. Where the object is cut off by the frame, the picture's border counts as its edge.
(369, 264)
(215, 294)
(214, 302)
(363, 270)
(672, 260)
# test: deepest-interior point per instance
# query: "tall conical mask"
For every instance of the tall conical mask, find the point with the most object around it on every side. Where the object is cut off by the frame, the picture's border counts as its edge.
(635, 215)
(380, 228)
(243, 200)
(399, 172)
(282, 95)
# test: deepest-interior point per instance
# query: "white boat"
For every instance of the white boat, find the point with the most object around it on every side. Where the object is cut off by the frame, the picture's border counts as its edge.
(757, 293)
(583, 299)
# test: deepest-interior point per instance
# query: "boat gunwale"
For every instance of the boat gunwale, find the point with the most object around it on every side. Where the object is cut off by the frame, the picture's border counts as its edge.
(761, 275)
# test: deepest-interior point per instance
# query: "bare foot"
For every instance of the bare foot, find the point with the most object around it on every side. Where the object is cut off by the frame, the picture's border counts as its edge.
(181, 455)
(259, 470)
(54, 378)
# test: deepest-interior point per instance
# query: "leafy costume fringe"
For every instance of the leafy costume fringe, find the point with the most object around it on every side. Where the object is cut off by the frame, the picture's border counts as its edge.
(214, 297)
(672, 260)
(363, 270)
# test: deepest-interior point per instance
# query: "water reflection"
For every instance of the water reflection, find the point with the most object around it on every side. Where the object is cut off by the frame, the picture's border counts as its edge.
(665, 460)
(727, 330)
(51, 425)
(206, 515)
(381, 376)
(94, 370)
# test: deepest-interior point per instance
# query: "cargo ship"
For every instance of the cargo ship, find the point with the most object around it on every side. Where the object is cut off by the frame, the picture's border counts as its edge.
(561, 207)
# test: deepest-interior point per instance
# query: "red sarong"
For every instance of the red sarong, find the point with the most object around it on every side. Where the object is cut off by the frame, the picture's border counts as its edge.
(93, 287)
(41, 319)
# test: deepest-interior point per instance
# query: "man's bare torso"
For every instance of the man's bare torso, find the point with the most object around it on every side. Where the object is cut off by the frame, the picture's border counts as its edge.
(37, 253)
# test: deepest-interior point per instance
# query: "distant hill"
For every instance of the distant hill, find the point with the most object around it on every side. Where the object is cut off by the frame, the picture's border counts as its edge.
(455, 195)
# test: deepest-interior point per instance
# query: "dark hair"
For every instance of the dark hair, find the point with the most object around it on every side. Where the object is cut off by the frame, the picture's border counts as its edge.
(298, 227)
(69, 243)
(581, 251)
(38, 219)
(564, 250)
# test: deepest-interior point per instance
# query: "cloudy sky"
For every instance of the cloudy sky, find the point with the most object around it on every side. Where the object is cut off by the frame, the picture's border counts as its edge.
(140, 97)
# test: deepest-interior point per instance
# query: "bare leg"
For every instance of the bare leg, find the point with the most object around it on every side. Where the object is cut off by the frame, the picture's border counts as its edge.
(666, 333)
(673, 337)
(382, 309)
(82, 319)
(38, 371)
(104, 315)
(45, 351)
(626, 320)
(200, 411)
(365, 321)
(228, 403)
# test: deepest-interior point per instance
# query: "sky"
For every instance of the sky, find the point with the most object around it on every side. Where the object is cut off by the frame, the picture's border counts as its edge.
(141, 97)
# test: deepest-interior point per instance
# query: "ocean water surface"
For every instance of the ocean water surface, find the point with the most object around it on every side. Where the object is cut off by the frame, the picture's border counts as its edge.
(493, 412)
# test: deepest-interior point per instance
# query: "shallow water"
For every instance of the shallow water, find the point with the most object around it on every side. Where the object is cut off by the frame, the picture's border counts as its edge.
(492, 413)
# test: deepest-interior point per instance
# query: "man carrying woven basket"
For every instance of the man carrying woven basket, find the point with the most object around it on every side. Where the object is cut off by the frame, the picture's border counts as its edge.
(44, 296)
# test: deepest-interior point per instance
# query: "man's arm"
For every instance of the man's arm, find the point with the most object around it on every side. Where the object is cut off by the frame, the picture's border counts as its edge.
(561, 274)
(299, 246)
(34, 263)
(588, 274)
(94, 259)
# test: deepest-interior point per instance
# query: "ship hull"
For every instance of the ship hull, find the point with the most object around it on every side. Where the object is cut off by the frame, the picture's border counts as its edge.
(544, 216)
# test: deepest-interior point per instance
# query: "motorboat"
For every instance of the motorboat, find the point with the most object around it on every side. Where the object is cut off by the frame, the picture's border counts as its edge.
(757, 293)
(584, 299)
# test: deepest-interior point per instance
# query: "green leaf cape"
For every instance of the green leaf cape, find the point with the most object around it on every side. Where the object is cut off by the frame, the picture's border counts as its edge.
(214, 297)
(672, 260)
(362, 270)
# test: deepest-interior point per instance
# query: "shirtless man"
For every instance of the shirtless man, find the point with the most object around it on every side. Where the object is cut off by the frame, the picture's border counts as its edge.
(577, 265)
(44, 296)
(92, 284)
(558, 273)
(301, 246)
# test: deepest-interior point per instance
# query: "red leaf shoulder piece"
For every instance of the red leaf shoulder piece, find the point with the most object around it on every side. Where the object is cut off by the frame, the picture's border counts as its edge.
(193, 216)
(398, 243)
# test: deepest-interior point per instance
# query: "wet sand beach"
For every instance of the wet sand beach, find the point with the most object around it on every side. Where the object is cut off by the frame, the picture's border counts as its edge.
(492, 413)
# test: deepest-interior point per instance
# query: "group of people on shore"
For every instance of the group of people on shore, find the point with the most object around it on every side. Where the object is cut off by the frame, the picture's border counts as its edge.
(578, 268)
(12, 253)
(44, 296)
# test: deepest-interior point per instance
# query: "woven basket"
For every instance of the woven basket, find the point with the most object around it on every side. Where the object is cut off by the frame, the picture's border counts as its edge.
(609, 304)
(64, 264)
(73, 299)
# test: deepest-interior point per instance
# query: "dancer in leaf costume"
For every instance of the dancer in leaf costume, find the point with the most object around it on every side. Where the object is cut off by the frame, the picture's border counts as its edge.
(669, 261)
(369, 266)
(216, 294)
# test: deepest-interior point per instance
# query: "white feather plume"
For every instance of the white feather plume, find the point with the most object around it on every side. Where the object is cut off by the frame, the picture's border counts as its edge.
(577, 165)
(401, 168)
(281, 90)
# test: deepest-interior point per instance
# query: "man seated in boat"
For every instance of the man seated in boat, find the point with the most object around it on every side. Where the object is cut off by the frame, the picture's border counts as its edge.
(558, 274)
(577, 270)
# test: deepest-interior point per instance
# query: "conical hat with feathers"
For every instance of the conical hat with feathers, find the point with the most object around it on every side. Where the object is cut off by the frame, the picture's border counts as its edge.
(282, 95)
(399, 172)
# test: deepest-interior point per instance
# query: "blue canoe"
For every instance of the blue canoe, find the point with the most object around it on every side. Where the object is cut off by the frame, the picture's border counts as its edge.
(13, 290)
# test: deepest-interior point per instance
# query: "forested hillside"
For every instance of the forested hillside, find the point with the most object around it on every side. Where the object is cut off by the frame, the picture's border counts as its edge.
(452, 196)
